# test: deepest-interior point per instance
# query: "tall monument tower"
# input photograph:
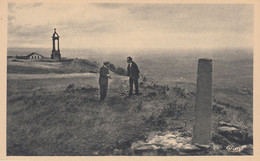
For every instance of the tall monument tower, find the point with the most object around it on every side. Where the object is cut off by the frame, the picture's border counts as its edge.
(55, 41)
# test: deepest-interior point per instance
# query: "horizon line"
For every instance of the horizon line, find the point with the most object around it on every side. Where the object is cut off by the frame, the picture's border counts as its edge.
(216, 48)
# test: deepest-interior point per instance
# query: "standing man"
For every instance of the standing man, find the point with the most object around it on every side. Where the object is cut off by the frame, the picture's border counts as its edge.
(133, 73)
(103, 80)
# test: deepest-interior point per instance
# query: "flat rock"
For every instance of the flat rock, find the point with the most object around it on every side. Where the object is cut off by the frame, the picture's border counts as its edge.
(189, 148)
(165, 141)
(139, 145)
(147, 147)
(179, 145)
(234, 134)
(203, 146)
(227, 129)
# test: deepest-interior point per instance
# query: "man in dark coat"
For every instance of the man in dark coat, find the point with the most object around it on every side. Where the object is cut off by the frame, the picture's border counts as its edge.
(103, 80)
(133, 73)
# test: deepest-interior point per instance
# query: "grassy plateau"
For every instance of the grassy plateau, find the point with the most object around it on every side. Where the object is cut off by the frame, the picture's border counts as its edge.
(53, 108)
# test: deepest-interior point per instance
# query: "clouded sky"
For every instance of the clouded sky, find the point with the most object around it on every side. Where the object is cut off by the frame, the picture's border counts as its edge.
(129, 26)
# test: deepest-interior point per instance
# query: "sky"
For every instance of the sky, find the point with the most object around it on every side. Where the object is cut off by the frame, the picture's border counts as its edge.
(131, 26)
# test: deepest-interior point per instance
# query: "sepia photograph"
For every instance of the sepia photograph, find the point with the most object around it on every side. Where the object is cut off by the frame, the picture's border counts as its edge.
(129, 79)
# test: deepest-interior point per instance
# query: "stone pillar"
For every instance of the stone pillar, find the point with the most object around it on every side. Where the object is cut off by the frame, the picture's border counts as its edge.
(53, 44)
(203, 108)
(58, 44)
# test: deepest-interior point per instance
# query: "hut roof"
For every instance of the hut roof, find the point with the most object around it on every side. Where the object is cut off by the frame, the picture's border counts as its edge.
(34, 54)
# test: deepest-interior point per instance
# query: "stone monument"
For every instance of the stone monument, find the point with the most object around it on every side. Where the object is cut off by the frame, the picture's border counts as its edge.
(55, 52)
(203, 108)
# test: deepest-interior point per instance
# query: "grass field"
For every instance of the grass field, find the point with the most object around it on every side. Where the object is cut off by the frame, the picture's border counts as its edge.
(52, 109)
(47, 118)
(63, 116)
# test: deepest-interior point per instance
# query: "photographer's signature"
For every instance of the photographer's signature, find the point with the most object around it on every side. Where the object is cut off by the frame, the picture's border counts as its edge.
(231, 148)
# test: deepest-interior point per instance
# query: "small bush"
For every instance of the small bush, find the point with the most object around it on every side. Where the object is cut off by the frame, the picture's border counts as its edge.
(70, 88)
(180, 92)
(156, 121)
(112, 67)
(219, 109)
(15, 60)
(175, 109)
(121, 71)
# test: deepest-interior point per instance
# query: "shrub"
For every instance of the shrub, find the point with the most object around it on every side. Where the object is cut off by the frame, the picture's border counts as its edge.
(175, 109)
(180, 92)
(121, 71)
(112, 67)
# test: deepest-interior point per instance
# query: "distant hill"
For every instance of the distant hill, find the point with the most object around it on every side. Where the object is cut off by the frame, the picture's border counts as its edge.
(63, 66)
(45, 66)
(46, 52)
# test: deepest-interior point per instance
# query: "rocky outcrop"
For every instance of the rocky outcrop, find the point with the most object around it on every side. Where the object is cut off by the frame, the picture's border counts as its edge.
(169, 141)
(230, 139)
(235, 133)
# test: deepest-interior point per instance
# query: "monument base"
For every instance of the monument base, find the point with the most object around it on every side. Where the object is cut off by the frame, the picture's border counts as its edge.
(55, 55)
